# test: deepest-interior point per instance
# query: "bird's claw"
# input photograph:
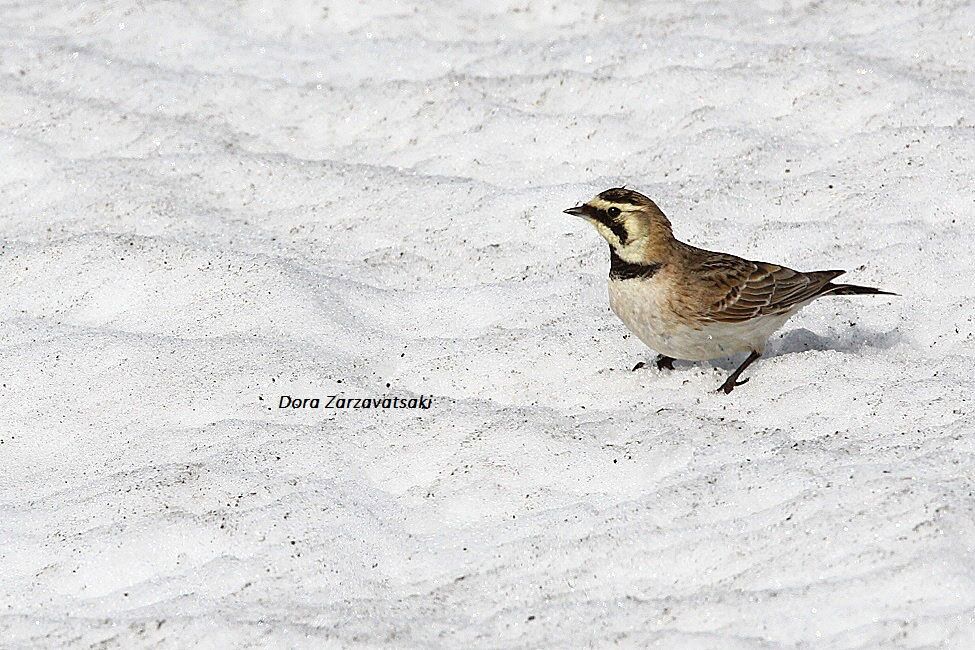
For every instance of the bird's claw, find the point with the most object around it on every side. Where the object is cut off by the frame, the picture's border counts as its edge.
(729, 385)
(662, 363)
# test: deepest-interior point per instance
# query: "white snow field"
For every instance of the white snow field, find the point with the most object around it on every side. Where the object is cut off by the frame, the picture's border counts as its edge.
(205, 206)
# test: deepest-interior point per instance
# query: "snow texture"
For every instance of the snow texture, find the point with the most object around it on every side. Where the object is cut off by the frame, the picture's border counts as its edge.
(207, 205)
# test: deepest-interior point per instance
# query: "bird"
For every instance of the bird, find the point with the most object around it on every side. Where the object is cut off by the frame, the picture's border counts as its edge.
(693, 304)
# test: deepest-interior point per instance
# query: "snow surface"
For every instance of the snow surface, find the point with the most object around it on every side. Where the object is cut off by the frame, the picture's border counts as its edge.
(205, 206)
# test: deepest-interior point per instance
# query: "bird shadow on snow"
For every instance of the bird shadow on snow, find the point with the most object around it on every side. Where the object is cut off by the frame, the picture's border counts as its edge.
(853, 339)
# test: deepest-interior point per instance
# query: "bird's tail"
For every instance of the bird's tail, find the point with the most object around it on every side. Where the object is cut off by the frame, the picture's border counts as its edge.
(853, 290)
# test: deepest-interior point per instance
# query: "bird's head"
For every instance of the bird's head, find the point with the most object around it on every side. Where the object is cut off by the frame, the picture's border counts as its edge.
(628, 220)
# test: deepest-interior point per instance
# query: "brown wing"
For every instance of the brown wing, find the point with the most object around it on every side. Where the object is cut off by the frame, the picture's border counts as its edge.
(749, 289)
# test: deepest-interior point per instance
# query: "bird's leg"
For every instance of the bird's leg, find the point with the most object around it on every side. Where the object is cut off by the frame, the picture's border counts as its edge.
(732, 380)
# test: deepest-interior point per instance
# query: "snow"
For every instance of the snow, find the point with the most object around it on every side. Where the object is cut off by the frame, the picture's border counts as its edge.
(206, 206)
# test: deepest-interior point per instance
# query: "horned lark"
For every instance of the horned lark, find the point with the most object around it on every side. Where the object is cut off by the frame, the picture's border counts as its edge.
(692, 304)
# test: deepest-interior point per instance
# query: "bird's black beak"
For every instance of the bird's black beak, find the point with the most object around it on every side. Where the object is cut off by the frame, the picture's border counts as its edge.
(578, 211)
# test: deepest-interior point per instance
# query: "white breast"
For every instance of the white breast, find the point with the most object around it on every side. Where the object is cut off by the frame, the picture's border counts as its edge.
(641, 305)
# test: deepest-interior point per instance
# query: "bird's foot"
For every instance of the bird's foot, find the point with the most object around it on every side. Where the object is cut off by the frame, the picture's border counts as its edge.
(730, 384)
(732, 380)
(664, 361)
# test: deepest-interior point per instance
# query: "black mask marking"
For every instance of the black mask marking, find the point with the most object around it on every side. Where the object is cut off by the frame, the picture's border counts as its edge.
(602, 216)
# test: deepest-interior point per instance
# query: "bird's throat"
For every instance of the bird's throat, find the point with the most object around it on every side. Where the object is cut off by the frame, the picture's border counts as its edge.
(620, 269)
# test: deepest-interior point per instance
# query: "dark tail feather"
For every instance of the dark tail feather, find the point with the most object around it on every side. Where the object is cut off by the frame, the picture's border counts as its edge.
(853, 290)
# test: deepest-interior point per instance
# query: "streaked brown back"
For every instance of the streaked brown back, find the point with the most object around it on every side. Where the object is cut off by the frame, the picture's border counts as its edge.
(737, 289)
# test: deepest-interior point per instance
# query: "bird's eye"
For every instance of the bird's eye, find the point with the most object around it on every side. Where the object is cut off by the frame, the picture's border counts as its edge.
(614, 212)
